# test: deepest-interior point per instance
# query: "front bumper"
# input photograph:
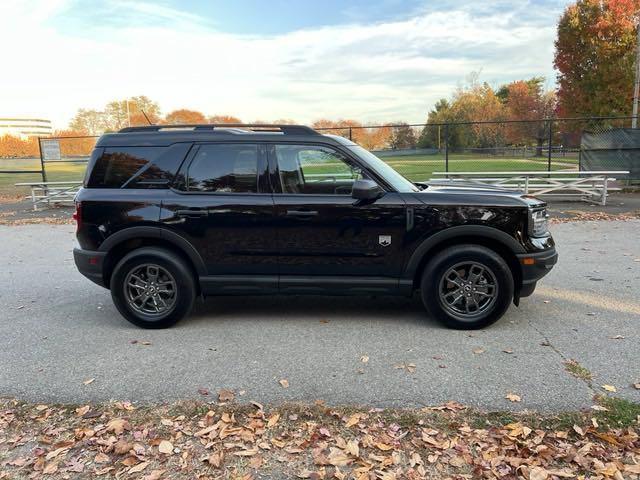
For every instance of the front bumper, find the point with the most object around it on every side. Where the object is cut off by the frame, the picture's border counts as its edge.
(90, 264)
(536, 265)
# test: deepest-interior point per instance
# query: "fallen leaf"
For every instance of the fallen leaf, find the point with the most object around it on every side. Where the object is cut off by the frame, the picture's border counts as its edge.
(352, 420)
(635, 469)
(383, 446)
(154, 475)
(122, 447)
(87, 382)
(609, 388)
(50, 468)
(364, 358)
(513, 397)
(203, 391)
(338, 458)
(165, 447)
(216, 458)
(538, 473)
(74, 465)
(246, 453)
(617, 337)
(80, 411)
(273, 419)
(225, 395)
(101, 458)
(353, 448)
(507, 350)
(139, 467)
(636, 386)
(578, 430)
(284, 382)
(56, 452)
(117, 426)
(478, 351)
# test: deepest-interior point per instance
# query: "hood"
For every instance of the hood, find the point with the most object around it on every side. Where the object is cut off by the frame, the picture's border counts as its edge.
(469, 193)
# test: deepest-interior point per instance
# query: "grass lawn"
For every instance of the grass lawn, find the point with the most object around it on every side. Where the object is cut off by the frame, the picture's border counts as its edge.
(56, 172)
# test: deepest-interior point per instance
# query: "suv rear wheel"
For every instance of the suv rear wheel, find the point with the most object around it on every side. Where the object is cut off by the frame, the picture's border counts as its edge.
(152, 287)
(467, 287)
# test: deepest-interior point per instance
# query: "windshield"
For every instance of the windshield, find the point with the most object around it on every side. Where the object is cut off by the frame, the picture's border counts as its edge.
(396, 180)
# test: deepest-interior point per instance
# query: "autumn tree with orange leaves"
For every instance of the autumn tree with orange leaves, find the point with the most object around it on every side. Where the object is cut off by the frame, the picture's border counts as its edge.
(184, 116)
(595, 54)
(224, 119)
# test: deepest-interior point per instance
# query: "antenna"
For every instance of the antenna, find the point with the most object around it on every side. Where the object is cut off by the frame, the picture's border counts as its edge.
(145, 116)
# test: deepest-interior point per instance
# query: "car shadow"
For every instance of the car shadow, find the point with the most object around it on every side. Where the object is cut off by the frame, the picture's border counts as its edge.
(312, 307)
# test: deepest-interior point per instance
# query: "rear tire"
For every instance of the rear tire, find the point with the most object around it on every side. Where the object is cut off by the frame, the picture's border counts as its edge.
(467, 287)
(152, 287)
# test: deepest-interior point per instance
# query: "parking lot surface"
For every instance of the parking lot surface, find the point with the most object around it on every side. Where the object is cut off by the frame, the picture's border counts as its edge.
(62, 339)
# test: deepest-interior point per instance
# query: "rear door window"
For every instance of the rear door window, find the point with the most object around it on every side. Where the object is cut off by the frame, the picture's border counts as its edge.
(224, 168)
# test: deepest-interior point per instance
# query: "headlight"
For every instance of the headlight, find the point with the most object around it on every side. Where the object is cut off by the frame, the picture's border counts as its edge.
(539, 223)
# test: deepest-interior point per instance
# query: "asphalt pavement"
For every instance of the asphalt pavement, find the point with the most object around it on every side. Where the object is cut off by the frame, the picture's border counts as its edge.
(62, 339)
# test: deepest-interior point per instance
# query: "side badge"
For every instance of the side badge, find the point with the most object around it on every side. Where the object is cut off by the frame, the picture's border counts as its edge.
(384, 240)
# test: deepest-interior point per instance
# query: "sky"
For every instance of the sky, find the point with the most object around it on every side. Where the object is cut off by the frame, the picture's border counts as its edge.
(373, 61)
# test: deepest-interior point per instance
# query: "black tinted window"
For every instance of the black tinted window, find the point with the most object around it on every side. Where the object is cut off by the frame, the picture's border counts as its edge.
(224, 168)
(118, 164)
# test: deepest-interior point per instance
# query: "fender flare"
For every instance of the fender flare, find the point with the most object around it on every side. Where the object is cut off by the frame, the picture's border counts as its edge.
(160, 233)
(457, 232)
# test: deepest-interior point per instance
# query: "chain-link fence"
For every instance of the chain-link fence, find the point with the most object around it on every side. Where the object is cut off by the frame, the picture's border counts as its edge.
(24, 162)
(418, 150)
(415, 150)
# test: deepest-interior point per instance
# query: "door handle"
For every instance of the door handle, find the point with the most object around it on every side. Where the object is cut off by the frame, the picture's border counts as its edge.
(302, 213)
(192, 212)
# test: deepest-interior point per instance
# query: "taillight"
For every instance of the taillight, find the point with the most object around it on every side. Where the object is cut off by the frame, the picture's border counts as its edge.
(77, 216)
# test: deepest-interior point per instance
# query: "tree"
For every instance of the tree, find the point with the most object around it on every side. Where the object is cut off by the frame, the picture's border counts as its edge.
(595, 57)
(527, 100)
(478, 103)
(432, 136)
(88, 122)
(224, 119)
(119, 113)
(402, 137)
(184, 116)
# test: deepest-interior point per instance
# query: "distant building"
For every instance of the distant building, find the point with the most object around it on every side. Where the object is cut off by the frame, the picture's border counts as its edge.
(25, 127)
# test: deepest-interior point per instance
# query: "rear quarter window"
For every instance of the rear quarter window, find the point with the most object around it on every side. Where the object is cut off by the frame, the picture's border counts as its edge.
(136, 167)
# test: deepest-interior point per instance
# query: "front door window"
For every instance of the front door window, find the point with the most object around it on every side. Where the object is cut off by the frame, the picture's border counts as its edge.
(309, 169)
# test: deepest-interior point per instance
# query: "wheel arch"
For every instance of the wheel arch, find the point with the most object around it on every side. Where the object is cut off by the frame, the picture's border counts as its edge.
(498, 241)
(124, 241)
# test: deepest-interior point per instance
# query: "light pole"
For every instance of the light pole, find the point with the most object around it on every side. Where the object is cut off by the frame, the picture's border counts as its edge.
(636, 89)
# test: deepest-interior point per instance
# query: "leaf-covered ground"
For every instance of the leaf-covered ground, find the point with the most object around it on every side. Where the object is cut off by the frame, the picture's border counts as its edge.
(249, 441)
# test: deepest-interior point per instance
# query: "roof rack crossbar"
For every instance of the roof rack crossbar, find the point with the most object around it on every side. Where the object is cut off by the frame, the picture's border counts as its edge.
(255, 127)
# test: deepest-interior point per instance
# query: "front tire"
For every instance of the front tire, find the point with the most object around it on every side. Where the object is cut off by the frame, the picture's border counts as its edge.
(152, 287)
(467, 287)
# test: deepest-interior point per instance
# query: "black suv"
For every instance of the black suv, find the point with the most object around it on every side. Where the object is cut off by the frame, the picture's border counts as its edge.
(167, 213)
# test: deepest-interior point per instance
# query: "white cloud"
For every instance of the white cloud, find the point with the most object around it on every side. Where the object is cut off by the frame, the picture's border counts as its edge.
(376, 72)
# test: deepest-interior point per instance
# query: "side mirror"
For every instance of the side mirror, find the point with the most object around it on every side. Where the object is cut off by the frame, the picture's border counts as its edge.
(366, 190)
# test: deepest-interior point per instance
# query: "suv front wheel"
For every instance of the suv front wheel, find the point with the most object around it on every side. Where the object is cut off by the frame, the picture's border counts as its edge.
(152, 287)
(467, 287)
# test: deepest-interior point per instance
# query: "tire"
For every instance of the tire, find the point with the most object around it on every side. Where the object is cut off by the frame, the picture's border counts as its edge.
(169, 298)
(452, 273)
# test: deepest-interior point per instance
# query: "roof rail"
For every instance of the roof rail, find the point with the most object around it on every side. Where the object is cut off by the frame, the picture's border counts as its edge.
(254, 127)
